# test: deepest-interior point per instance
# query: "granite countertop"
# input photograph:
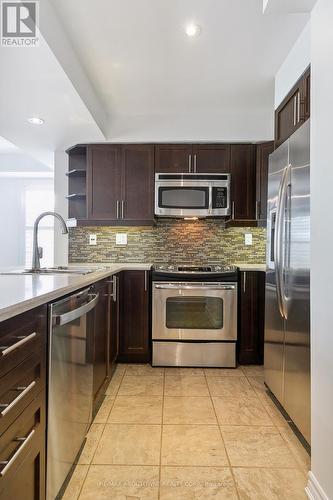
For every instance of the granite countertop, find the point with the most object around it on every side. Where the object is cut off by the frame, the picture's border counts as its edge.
(19, 293)
(243, 266)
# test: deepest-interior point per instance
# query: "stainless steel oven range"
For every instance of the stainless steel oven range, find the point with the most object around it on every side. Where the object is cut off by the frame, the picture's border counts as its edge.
(194, 315)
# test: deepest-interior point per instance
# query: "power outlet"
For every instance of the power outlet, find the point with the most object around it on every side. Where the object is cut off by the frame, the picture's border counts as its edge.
(121, 238)
(92, 239)
(248, 239)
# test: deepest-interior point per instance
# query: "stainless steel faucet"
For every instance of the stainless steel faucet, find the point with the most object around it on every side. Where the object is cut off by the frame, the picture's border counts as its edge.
(37, 252)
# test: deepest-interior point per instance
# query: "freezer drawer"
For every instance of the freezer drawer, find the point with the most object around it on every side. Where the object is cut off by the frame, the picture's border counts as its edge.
(205, 354)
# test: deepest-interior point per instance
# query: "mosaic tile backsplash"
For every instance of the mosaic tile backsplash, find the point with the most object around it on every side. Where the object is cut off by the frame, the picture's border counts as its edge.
(195, 242)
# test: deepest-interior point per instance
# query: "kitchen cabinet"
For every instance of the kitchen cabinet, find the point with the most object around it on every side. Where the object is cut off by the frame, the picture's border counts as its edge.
(134, 344)
(211, 158)
(173, 158)
(119, 184)
(251, 318)
(294, 110)
(22, 365)
(101, 336)
(137, 202)
(192, 158)
(243, 182)
(262, 159)
(104, 187)
(114, 323)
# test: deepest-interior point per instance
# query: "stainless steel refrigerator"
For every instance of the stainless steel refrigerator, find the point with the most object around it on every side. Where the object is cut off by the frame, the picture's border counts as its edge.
(287, 311)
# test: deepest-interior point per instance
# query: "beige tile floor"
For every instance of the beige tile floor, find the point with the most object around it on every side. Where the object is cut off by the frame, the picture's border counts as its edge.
(183, 434)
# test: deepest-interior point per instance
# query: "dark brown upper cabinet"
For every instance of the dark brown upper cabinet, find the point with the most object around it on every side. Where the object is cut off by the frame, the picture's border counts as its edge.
(173, 158)
(211, 158)
(104, 193)
(294, 110)
(243, 182)
(263, 151)
(120, 183)
(192, 158)
(138, 182)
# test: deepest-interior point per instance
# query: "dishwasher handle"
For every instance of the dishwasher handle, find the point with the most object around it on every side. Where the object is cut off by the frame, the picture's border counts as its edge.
(63, 319)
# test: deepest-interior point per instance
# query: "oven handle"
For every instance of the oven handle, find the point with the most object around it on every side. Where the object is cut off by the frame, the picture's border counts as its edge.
(211, 286)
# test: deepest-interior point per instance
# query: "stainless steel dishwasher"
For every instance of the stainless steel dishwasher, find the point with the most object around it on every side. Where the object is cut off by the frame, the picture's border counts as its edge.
(70, 390)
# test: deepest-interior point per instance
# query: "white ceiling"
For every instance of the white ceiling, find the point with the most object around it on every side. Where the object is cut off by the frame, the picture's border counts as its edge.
(141, 63)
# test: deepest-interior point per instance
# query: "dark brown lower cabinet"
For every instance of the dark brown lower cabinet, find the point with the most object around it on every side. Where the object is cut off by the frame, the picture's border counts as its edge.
(251, 317)
(101, 332)
(134, 317)
(24, 478)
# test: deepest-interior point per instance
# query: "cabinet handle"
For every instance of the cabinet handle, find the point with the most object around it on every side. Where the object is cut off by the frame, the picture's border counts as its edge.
(195, 163)
(189, 163)
(8, 463)
(122, 208)
(11, 405)
(146, 280)
(233, 210)
(257, 210)
(117, 209)
(23, 340)
(114, 288)
(295, 109)
(244, 282)
(298, 108)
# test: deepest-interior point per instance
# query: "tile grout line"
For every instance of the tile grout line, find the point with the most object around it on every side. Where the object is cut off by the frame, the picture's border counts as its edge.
(161, 440)
(104, 425)
(298, 466)
(225, 448)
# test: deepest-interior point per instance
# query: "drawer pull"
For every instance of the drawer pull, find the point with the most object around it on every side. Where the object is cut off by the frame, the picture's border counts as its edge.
(11, 405)
(8, 463)
(23, 340)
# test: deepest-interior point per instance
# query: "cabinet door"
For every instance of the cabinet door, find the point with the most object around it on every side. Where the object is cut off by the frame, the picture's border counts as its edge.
(134, 324)
(171, 158)
(289, 115)
(251, 317)
(103, 182)
(101, 332)
(243, 181)
(138, 182)
(211, 158)
(263, 152)
(306, 90)
(114, 323)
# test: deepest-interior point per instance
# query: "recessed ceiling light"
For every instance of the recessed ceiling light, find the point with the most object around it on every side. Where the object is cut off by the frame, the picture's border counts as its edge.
(192, 29)
(34, 120)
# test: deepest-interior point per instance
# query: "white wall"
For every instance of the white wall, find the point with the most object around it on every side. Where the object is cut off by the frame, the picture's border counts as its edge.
(322, 248)
(294, 65)
(60, 206)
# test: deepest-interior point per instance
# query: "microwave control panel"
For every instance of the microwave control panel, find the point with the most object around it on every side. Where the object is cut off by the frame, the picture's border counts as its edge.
(219, 197)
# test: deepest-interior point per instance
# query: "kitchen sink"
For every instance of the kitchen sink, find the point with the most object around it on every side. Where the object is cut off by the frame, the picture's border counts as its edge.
(52, 270)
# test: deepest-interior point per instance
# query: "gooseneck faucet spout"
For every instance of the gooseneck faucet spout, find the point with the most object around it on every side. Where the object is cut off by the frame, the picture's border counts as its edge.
(37, 252)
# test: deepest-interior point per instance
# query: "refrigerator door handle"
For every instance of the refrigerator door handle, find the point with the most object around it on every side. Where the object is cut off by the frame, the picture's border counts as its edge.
(285, 232)
(278, 243)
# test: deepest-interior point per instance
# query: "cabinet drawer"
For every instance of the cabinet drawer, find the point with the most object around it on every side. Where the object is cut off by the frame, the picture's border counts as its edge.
(18, 442)
(19, 387)
(22, 336)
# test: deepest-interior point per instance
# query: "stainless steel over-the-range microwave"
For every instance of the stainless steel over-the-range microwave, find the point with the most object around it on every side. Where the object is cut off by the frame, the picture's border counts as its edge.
(192, 195)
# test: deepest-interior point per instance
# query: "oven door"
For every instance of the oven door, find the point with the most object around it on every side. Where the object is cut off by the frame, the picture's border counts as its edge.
(194, 311)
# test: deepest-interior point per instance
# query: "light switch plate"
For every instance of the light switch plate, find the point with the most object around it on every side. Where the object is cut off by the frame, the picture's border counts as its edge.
(121, 238)
(92, 239)
(248, 239)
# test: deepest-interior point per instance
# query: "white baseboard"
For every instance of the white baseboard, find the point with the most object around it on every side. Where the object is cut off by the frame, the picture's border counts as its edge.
(313, 490)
